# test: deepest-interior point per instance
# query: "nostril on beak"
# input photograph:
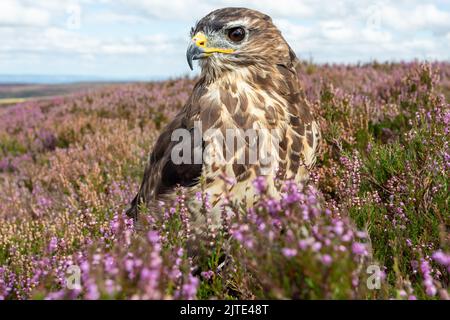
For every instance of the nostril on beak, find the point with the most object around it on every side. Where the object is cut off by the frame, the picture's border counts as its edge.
(202, 43)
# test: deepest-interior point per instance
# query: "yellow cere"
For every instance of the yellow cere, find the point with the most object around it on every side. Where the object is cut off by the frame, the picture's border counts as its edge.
(201, 41)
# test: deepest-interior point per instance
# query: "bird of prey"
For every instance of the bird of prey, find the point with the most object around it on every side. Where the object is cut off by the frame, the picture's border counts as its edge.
(248, 82)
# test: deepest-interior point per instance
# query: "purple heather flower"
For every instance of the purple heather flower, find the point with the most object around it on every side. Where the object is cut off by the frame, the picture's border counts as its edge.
(248, 243)
(427, 278)
(326, 259)
(53, 245)
(47, 139)
(260, 185)
(229, 180)
(96, 258)
(355, 281)
(359, 249)
(305, 243)
(153, 237)
(262, 226)
(129, 265)
(441, 258)
(110, 286)
(207, 274)
(361, 234)
(339, 227)
(57, 295)
(316, 246)
(190, 288)
(84, 266)
(238, 235)
(409, 242)
(289, 252)
(92, 292)
(110, 265)
(273, 206)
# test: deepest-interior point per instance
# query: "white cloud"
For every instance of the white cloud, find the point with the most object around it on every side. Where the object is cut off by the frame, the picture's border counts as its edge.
(115, 18)
(169, 10)
(293, 31)
(422, 17)
(13, 13)
(375, 36)
(337, 31)
(132, 31)
(191, 10)
(56, 40)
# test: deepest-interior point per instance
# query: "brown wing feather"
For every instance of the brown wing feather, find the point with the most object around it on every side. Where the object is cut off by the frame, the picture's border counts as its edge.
(301, 141)
(161, 175)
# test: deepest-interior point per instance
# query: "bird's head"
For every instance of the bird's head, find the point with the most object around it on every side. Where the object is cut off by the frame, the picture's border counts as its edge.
(228, 38)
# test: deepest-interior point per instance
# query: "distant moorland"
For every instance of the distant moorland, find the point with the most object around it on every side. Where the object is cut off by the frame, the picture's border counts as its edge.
(10, 93)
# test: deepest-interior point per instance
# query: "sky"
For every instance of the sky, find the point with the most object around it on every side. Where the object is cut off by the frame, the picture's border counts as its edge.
(134, 39)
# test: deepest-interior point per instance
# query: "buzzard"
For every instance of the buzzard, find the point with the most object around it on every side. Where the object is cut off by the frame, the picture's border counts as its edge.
(248, 83)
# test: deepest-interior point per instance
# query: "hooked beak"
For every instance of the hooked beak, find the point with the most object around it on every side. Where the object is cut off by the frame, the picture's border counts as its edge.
(194, 52)
(198, 50)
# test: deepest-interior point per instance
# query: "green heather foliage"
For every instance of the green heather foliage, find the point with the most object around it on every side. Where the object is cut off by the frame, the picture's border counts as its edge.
(378, 198)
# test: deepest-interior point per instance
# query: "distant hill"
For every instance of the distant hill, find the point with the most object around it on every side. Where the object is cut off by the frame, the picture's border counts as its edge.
(25, 91)
(13, 87)
(45, 79)
(67, 79)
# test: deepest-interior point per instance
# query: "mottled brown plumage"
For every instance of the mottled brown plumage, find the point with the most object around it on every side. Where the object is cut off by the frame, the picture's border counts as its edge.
(249, 84)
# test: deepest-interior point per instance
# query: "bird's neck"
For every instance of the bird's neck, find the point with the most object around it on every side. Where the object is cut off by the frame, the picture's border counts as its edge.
(247, 76)
(247, 93)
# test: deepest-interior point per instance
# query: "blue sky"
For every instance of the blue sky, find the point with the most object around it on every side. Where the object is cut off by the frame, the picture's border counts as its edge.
(147, 39)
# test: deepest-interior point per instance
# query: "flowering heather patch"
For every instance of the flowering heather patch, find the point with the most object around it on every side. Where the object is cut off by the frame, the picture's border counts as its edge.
(373, 222)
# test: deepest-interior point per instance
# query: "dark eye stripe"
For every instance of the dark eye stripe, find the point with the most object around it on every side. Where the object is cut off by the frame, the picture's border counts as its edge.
(208, 26)
(216, 26)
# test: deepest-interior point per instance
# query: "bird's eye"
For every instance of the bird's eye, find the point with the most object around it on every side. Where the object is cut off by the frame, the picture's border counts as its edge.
(236, 34)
